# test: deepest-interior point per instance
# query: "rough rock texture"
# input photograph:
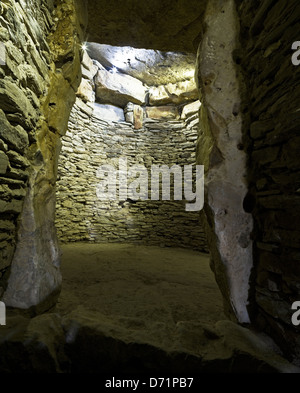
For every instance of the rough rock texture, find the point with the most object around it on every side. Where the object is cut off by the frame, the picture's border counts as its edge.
(92, 141)
(97, 136)
(176, 93)
(157, 24)
(271, 136)
(118, 89)
(228, 225)
(108, 113)
(165, 112)
(37, 91)
(153, 67)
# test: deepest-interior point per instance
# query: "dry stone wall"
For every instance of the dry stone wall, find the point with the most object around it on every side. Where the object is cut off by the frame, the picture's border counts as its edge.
(40, 69)
(91, 142)
(271, 138)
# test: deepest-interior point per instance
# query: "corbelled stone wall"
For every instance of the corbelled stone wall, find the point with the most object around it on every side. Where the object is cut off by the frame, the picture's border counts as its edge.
(271, 138)
(39, 78)
(91, 142)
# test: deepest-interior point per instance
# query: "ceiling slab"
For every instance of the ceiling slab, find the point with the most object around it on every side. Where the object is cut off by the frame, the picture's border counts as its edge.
(165, 25)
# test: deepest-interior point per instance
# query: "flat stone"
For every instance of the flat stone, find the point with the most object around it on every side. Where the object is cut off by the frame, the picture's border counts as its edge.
(118, 89)
(190, 109)
(176, 93)
(108, 112)
(162, 112)
(15, 136)
(3, 162)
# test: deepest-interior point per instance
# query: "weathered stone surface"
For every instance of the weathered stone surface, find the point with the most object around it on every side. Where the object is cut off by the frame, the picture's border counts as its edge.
(128, 111)
(38, 342)
(118, 89)
(13, 99)
(16, 158)
(61, 95)
(88, 68)
(85, 91)
(108, 112)
(162, 112)
(271, 133)
(152, 67)
(15, 136)
(94, 141)
(190, 109)
(3, 162)
(87, 341)
(138, 116)
(36, 91)
(178, 93)
(229, 226)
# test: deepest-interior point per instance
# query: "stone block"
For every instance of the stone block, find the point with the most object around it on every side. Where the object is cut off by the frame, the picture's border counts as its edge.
(190, 109)
(3, 162)
(15, 136)
(85, 91)
(171, 93)
(108, 113)
(138, 116)
(14, 207)
(118, 89)
(16, 158)
(162, 112)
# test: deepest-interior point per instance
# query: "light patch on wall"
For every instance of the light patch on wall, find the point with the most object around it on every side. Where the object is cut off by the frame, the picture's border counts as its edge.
(2, 54)
(153, 67)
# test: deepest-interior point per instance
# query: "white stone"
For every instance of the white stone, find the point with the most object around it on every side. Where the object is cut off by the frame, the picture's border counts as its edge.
(108, 112)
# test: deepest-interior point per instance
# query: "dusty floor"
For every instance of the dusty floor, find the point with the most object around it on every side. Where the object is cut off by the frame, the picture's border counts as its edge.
(140, 283)
(136, 309)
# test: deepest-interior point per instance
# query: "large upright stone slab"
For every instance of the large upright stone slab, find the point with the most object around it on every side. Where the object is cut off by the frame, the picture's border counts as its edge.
(229, 227)
(35, 279)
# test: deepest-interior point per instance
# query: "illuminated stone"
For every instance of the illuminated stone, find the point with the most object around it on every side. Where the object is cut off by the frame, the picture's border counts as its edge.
(176, 93)
(118, 89)
(162, 112)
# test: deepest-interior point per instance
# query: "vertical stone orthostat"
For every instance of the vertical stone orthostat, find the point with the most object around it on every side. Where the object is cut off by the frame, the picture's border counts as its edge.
(228, 225)
(35, 279)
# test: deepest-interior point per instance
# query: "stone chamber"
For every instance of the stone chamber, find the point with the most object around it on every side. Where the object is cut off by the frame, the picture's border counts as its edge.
(100, 284)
